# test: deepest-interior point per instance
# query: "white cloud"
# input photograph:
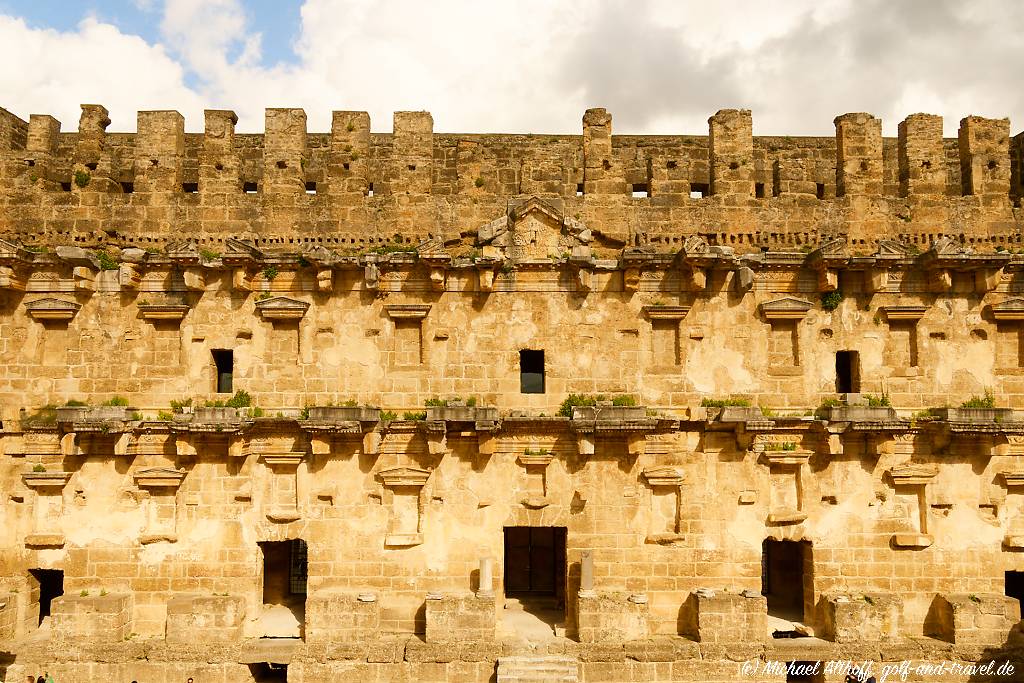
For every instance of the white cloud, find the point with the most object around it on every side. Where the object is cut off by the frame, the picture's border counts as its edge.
(659, 66)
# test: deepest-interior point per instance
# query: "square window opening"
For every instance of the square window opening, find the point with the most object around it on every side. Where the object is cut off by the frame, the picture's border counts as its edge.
(699, 190)
(127, 188)
(640, 190)
(311, 187)
(249, 188)
(190, 188)
(531, 371)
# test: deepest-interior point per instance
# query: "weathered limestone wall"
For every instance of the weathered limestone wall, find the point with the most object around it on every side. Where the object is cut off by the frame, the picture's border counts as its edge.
(350, 189)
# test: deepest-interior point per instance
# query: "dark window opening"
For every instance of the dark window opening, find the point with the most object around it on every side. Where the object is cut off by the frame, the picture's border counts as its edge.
(66, 187)
(224, 361)
(847, 372)
(369, 190)
(1015, 585)
(127, 188)
(30, 162)
(282, 165)
(412, 167)
(820, 190)
(641, 190)
(284, 587)
(785, 582)
(345, 165)
(265, 672)
(92, 165)
(759, 190)
(51, 586)
(311, 187)
(190, 188)
(699, 190)
(531, 372)
(219, 167)
(249, 188)
(671, 164)
(579, 189)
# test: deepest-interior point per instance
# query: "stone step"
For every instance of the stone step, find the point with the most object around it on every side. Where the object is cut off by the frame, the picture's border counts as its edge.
(552, 669)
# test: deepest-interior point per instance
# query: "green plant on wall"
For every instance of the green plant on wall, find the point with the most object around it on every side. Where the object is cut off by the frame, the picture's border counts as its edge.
(82, 178)
(830, 300)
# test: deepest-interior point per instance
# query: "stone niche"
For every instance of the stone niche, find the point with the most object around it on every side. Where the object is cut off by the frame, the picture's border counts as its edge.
(861, 617)
(205, 618)
(611, 617)
(96, 617)
(723, 617)
(910, 482)
(666, 484)
(403, 493)
(984, 619)
(461, 618)
(336, 616)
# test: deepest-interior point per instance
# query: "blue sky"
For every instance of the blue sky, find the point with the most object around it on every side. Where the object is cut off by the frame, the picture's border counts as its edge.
(276, 20)
(523, 66)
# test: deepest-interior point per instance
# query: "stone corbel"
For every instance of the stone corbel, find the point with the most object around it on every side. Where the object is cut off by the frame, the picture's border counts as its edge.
(744, 279)
(941, 280)
(437, 279)
(84, 278)
(437, 440)
(195, 280)
(371, 442)
(123, 443)
(69, 446)
(11, 279)
(320, 444)
(697, 278)
(240, 280)
(486, 443)
(371, 276)
(584, 280)
(631, 279)
(876, 279)
(183, 446)
(585, 444)
(636, 444)
(486, 277)
(324, 280)
(828, 280)
(986, 279)
(128, 276)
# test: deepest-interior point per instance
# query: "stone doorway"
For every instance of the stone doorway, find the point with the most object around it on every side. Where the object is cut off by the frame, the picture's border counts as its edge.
(787, 582)
(269, 673)
(534, 581)
(284, 589)
(50, 584)
(847, 372)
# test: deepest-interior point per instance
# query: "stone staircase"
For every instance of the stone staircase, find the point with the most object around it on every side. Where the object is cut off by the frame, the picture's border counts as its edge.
(544, 669)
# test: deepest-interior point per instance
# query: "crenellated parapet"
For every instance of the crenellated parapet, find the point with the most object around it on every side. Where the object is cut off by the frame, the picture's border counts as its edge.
(354, 188)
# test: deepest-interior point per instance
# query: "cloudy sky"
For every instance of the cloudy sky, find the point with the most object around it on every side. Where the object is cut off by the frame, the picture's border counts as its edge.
(660, 66)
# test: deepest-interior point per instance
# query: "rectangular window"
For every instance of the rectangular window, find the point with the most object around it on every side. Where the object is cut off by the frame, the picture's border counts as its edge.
(249, 188)
(190, 188)
(224, 361)
(699, 190)
(311, 187)
(847, 372)
(640, 190)
(759, 190)
(531, 372)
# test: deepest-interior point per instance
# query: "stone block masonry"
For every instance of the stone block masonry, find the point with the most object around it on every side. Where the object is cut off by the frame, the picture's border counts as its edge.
(422, 406)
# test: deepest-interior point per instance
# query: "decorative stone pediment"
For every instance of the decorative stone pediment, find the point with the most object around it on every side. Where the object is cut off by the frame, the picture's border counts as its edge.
(185, 251)
(1011, 309)
(665, 312)
(281, 308)
(911, 312)
(404, 476)
(10, 252)
(52, 309)
(159, 477)
(832, 251)
(912, 474)
(407, 311)
(695, 246)
(534, 228)
(38, 480)
(893, 249)
(163, 311)
(787, 308)
(237, 252)
(1013, 477)
(663, 475)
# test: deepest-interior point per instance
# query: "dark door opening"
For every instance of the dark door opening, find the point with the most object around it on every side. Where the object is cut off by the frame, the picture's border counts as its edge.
(534, 573)
(531, 372)
(224, 361)
(51, 585)
(847, 372)
(264, 672)
(1015, 585)
(284, 588)
(786, 581)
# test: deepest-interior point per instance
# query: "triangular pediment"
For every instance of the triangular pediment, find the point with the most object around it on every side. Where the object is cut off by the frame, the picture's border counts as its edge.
(186, 250)
(10, 251)
(52, 304)
(238, 251)
(320, 255)
(695, 245)
(281, 308)
(909, 474)
(944, 246)
(534, 228)
(663, 475)
(893, 248)
(404, 476)
(830, 250)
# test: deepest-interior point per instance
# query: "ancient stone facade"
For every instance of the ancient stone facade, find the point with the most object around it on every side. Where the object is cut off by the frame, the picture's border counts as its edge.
(459, 408)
